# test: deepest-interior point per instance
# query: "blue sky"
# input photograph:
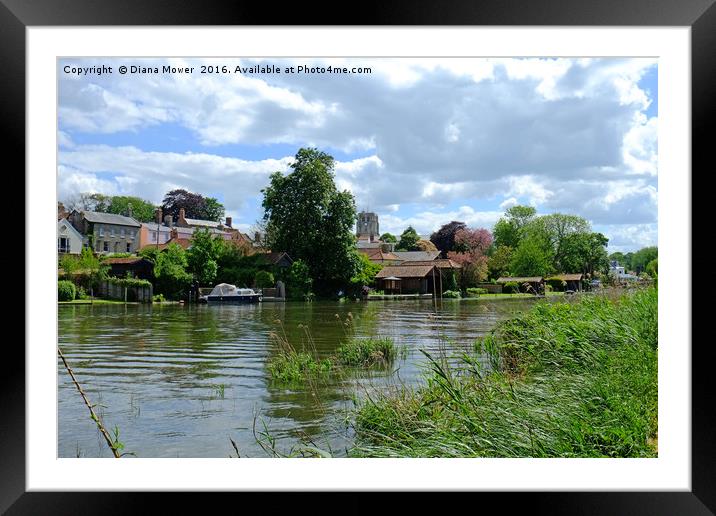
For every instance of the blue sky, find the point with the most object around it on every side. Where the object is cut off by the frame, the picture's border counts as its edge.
(420, 142)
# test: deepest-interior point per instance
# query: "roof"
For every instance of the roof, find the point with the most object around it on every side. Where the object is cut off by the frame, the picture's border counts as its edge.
(200, 222)
(417, 256)
(110, 218)
(364, 244)
(153, 226)
(183, 242)
(440, 263)
(378, 254)
(405, 271)
(534, 279)
(567, 277)
(276, 256)
(67, 224)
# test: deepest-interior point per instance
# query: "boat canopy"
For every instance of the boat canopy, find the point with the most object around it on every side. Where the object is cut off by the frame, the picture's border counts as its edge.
(224, 289)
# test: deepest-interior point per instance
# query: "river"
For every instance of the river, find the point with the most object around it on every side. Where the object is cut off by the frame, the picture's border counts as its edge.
(181, 381)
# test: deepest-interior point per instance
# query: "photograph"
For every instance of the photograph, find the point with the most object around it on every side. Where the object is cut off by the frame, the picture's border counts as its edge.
(357, 257)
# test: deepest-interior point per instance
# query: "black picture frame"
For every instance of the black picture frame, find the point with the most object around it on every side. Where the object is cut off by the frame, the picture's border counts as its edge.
(700, 15)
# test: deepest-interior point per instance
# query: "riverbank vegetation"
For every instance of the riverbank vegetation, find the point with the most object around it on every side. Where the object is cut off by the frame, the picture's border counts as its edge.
(367, 352)
(572, 379)
(301, 363)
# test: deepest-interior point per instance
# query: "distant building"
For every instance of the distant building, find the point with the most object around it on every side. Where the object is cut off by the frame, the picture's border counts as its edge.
(69, 240)
(107, 232)
(616, 269)
(164, 230)
(367, 228)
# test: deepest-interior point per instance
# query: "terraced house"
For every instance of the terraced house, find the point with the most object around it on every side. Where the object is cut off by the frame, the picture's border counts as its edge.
(107, 232)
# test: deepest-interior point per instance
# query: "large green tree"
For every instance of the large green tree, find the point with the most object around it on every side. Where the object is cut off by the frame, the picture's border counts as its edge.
(642, 257)
(310, 219)
(531, 258)
(142, 210)
(170, 270)
(509, 229)
(202, 256)
(498, 263)
(408, 240)
(585, 253)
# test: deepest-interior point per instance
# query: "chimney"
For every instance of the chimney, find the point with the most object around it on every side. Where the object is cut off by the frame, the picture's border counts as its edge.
(168, 221)
(228, 221)
(174, 234)
(158, 215)
(181, 221)
(257, 237)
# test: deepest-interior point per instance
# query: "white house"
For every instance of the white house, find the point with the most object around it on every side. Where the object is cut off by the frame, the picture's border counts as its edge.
(69, 240)
(616, 269)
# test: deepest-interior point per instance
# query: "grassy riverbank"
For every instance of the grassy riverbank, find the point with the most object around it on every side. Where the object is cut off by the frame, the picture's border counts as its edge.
(567, 379)
(96, 301)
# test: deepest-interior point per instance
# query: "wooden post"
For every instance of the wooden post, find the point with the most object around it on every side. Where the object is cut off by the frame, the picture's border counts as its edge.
(435, 294)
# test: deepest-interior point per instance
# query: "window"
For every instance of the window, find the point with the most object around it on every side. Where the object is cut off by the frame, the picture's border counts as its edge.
(101, 231)
(121, 232)
(63, 245)
(105, 246)
(111, 231)
(129, 247)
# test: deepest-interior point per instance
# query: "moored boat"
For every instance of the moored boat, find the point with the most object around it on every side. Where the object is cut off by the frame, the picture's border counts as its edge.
(226, 293)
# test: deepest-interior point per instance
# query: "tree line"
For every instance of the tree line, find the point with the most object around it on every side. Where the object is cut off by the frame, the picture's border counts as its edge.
(306, 216)
(195, 205)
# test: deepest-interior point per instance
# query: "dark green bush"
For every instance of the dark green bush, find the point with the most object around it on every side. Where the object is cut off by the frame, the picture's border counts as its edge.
(264, 279)
(511, 287)
(66, 290)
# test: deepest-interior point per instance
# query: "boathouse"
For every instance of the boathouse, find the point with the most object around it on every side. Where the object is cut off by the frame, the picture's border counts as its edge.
(408, 279)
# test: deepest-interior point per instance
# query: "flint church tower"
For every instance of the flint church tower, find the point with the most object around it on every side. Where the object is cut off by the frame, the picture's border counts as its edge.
(367, 227)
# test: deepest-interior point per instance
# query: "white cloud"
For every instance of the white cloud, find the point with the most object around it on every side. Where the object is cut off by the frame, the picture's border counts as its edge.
(427, 222)
(509, 203)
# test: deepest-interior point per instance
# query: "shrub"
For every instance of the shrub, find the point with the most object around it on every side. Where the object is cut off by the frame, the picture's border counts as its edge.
(511, 287)
(367, 352)
(451, 294)
(299, 281)
(130, 282)
(158, 298)
(476, 292)
(264, 279)
(66, 290)
(292, 366)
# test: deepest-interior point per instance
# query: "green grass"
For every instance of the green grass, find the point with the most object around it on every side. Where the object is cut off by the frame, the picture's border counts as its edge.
(96, 302)
(367, 352)
(293, 366)
(567, 379)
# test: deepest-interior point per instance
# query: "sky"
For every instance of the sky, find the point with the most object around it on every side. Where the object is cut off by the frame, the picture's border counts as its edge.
(421, 142)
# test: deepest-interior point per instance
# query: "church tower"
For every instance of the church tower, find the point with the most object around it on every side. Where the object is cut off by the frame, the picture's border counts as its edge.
(367, 227)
